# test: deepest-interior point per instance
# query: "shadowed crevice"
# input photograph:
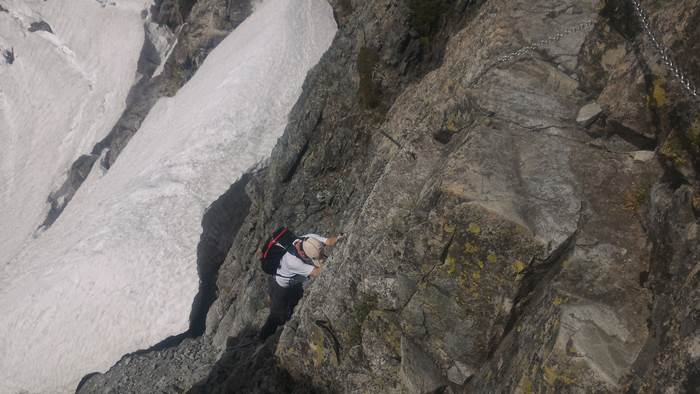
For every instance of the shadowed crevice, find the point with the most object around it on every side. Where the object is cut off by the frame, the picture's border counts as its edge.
(249, 366)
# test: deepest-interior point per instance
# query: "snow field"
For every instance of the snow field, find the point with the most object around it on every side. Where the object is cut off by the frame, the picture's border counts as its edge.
(61, 95)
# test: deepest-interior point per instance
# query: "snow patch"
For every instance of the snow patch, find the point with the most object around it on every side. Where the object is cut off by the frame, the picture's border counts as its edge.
(61, 95)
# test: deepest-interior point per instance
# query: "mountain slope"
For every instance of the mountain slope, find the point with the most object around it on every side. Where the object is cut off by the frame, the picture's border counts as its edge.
(518, 182)
(59, 96)
(117, 271)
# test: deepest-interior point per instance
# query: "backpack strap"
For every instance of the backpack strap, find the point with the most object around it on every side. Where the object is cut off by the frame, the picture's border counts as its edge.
(273, 242)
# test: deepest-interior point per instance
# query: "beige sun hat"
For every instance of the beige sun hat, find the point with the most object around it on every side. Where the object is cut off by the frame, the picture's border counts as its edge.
(312, 248)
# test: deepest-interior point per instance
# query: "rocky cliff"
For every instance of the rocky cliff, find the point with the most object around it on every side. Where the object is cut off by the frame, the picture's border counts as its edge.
(519, 185)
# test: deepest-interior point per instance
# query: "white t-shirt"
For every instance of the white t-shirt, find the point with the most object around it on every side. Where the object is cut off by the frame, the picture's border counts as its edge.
(291, 265)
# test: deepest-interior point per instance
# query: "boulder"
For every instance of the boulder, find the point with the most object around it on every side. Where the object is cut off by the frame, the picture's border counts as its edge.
(588, 114)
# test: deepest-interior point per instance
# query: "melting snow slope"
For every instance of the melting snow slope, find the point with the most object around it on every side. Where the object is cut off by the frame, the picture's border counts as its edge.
(116, 272)
(62, 94)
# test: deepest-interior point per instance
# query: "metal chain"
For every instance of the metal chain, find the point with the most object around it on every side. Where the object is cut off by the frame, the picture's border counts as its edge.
(543, 43)
(663, 51)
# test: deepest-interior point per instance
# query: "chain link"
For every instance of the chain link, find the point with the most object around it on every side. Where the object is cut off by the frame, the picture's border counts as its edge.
(543, 43)
(663, 51)
(641, 14)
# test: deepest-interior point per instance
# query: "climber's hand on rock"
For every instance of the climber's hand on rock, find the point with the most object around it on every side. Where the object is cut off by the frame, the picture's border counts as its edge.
(333, 240)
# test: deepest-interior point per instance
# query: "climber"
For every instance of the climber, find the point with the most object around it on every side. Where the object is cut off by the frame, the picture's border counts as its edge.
(301, 259)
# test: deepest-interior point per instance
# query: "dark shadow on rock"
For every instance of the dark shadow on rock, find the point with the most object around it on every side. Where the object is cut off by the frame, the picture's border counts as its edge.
(85, 379)
(40, 26)
(220, 225)
(249, 366)
(9, 55)
(60, 198)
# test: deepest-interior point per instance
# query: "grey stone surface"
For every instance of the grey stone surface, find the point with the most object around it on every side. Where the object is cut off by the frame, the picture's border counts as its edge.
(40, 26)
(459, 373)
(8, 55)
(588, 114)
(169, 371)
(418, 373)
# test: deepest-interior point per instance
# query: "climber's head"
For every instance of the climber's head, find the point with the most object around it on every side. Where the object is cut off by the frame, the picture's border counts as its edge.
(311, 248)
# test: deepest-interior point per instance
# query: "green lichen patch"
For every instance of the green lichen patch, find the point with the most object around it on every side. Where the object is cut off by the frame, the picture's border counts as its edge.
(674, 149)
(485, 261)
(387, 329)
(552, 376)
(518, 266)
(470, 248)
(474, 228)
(636, 196)
(657, 96)
(359, 313)
(321, 348)
(450, 264)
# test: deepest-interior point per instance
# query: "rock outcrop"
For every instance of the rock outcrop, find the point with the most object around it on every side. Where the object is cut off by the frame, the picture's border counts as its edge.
(495, 243)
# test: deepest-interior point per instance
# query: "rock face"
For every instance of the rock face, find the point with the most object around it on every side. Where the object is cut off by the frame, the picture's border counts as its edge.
(495, 244)
(144, 373)
(588, 114)
(40, 26)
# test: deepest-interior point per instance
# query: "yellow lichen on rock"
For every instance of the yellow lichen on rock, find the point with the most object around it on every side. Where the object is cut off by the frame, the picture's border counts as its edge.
(658, 94)
(525, 385)
(695, 202)
(317, 354)
(450, 264)
(451, 125)
(320, 354)
(470, 248)
(673, 149)
(550, 375)
(463, 279)
(474, 228)
(518, 266)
